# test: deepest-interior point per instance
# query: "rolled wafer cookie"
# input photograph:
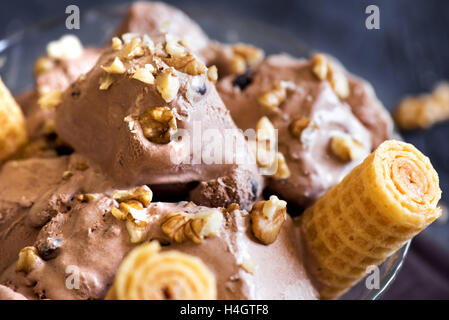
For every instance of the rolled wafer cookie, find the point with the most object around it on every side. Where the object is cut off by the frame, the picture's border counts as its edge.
(379, 205)
(12, 124)
(147, 274)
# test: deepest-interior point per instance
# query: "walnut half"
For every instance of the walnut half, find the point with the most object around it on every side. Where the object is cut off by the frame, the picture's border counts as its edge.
(267, 218)
(181, 226)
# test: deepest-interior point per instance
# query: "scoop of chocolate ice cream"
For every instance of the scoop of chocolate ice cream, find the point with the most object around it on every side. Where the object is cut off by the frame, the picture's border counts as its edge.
(152, 116)
(58, 74)
(308, 114)
(157, 18)
(93, 242)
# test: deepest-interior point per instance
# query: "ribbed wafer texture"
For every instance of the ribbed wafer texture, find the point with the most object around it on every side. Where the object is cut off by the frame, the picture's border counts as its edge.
(379, 205)
(12, 124)
(147, 274)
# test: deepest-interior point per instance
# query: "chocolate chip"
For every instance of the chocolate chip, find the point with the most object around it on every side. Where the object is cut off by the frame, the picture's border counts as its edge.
(202, 89)
(64, 150)
(254, 186)
(49, 249)
(243, 80)
(75, 93)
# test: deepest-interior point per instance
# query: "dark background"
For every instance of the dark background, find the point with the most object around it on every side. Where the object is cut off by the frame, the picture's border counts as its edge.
(408, 55)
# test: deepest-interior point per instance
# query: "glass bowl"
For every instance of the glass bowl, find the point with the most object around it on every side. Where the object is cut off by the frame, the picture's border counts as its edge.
(19, 51)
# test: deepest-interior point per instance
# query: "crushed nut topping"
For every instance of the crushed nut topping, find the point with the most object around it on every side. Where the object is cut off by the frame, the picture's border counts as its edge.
(42, 65)
(158, 124)
(273, 98)
(143, 194)
(66, 175)
(145, 74)
(117, 43)
(132, 49)
(106, 81)
(148, 43)
(250, 54)
(181, 226)
(238, 64)
(116, 67)
(131, 208)
(81, 166)
(282, 172)
(298, 125)
(212, 73)
(267, 218)
(127, 37)
(84, 197)
(173, 48)
(425, 110)
(347, 148)
(50, 99)
(323, 69)
(249, 266)
(67, 47)
(136, 233)
(187, 64)
(264, 146)
(28, 257)
(167, 84)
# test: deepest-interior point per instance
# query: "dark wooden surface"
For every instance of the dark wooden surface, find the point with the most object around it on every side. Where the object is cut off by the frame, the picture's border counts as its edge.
(409, 54)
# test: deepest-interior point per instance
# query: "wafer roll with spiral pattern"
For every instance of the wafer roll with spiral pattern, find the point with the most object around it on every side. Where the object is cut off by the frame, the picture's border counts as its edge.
(147, 274)
(12, 124)
(374, 211)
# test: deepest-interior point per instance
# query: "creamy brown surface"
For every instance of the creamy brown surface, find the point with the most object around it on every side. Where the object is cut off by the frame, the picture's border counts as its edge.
(314, 168)
(96, 242)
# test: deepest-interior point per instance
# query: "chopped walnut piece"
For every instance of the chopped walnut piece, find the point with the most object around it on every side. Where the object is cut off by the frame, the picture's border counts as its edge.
(212, 73)
(251, 54)
(282, 172)
(273, 98)
(238, 64)
(148, 43)
(66, 175)
(145, 74)
(320, 66)
(106, 81)
(264, 146)
(132, 49)
(158, 124)
(42, 65)
(50, 99)
(143, 194)
(84, 197)
(187, 64)
(67, 47)
(116, 67)
(136, 233)
(249, 266)
(298, 125)
(424, 111)
(323, 69)
(28, 257)
(233, 207)
(267, 218)
(173, 48)
(167, 84)
(181, 226)
(132, 204)
(347, 148)
(340, 84)
(117, 43)
(265, 129)
(81, 166)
